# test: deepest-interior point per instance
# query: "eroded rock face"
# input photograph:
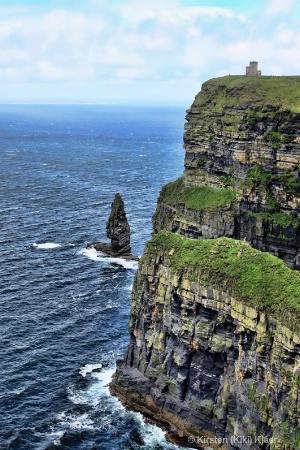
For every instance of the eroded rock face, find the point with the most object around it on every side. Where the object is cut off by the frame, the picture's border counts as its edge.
(237, 139)
(204, 362)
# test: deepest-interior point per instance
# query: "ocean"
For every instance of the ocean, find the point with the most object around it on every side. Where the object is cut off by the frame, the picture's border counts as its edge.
(64, 309)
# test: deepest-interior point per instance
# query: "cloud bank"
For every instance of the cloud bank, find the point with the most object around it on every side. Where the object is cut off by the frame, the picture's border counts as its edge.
(100, 50)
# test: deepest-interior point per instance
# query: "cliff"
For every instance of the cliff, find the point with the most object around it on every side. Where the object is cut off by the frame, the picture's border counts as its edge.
(214, 351)
(214, 342)
(241, 179)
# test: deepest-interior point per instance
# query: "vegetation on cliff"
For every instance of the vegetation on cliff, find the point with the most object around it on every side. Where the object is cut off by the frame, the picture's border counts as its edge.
(236, 91)
(266, 179)
(199, 198)
(258, 279)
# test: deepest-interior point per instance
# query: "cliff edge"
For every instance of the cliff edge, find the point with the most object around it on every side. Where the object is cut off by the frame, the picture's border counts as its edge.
(214, 351)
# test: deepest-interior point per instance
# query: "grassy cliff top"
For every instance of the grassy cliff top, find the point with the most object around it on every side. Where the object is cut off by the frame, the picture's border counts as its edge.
(199, 198)
(240, 91)
(258, 279)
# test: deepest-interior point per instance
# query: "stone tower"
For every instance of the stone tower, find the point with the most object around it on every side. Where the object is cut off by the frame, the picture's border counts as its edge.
(252, 71)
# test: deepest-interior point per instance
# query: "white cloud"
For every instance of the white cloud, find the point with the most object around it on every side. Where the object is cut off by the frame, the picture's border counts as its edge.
(162, 11)
(13, 56)
(279, 6)
(136, 40)
(48, 71)
(130, 73)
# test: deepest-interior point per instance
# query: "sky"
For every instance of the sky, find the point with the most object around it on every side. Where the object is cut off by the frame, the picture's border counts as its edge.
(139, 51)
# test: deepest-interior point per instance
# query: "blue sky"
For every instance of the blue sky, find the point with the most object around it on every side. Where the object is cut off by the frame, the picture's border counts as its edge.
(139, 51)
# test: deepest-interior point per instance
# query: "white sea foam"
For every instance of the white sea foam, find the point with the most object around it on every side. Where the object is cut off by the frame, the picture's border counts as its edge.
(96, 390)
(76, 422)
(55, 436)
(127, 264)
(46, 245)
(92, 254)
(88, 368)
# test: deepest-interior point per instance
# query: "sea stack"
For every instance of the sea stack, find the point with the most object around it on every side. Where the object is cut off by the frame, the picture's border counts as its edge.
(117, 228)
(118, 231)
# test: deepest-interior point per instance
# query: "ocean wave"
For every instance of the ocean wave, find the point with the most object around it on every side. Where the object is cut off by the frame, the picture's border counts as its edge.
(92, 254)
(73, 421)
(88, 368)
(96, 390)
(45, 245)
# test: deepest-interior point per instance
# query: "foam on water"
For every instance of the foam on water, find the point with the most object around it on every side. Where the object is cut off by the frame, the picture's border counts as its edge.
(127, 264)
(92, 254)
(46, 245)
(88, 368)
(98, 396)
(78, 422)
(96, 389)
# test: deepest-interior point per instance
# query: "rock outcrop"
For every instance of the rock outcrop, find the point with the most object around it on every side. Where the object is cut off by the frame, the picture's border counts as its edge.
(118, 230)
(214, 347)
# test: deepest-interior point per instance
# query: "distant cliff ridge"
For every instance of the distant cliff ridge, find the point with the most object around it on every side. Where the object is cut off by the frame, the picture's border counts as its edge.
(214, 347)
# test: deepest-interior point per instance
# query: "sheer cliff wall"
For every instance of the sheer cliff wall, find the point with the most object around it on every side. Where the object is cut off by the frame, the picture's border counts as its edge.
(214, 326)
(214, 342)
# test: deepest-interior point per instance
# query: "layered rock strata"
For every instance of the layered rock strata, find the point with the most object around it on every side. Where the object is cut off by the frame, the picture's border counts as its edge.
(207, 356)
(214, 347)
(118, 231)
(242, 135)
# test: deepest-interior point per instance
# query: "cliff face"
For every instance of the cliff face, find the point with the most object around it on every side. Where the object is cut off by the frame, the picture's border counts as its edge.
(207, 356)
(214, 328)
(242, 136)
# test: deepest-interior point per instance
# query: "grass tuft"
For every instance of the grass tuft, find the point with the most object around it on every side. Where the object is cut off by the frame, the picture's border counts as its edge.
(199, 198)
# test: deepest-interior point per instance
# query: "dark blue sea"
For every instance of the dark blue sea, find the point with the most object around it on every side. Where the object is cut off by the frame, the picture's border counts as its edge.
(65, 310)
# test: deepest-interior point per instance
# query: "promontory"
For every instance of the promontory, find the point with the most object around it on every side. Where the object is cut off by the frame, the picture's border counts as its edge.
(214, 350)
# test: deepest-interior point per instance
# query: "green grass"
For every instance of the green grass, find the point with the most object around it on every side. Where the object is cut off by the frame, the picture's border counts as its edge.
(233, 91)
(287, 180)
(199, 198)
(277, 218)
(257, 279)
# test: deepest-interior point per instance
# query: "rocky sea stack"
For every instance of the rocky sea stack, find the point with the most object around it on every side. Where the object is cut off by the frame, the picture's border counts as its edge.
(214, 350)
(118, 230)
